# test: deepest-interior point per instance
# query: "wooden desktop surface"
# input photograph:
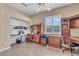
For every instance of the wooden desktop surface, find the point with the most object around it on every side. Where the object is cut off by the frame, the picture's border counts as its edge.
(75, 40)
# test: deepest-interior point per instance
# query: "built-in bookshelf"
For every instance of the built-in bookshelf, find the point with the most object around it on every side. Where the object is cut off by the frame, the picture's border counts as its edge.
(70, 23)
(65, 26)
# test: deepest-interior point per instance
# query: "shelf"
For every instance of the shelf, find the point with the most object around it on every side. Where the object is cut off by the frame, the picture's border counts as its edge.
(64, 24)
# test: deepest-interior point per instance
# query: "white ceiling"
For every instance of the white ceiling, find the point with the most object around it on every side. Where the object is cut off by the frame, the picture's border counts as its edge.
(32, 8)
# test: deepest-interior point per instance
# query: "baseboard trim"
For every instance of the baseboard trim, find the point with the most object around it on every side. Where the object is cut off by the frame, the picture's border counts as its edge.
(4, 49)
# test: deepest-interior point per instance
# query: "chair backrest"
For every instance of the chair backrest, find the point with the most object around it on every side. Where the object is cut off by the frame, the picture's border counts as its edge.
(67, 40)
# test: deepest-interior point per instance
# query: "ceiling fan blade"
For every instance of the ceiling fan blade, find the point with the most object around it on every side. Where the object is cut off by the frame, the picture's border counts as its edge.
(24, 4)
(39, 9)
(43, 5)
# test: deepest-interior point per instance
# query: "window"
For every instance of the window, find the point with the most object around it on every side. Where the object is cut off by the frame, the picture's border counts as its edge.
(53, 24)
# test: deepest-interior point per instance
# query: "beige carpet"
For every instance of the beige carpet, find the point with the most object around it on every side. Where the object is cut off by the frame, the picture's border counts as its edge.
(32, 49)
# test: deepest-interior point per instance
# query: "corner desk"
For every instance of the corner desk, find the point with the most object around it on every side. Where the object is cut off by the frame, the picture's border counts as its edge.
(75, 40)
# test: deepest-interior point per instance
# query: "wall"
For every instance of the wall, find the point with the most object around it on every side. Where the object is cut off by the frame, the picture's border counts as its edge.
(66, 11)
(4, 37)
(5, 13)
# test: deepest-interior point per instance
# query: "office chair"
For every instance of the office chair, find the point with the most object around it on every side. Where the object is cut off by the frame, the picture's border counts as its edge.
(68, 44)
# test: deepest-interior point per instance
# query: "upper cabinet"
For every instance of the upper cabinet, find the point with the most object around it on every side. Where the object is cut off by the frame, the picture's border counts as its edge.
(74, 23)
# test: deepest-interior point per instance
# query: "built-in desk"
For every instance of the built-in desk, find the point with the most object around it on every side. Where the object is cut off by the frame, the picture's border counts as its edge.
(21, 37)
(54, 41)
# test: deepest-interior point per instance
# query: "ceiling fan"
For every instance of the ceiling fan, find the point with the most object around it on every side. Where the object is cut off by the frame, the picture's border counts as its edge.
(40, 6)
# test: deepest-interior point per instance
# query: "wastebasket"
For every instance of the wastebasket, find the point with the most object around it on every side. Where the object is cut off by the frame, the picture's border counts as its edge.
(44, 40)
(18, 40)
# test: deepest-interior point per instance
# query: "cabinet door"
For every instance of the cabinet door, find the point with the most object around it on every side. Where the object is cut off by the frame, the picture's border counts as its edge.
(37, 37)
(13, 39)
(23, 38)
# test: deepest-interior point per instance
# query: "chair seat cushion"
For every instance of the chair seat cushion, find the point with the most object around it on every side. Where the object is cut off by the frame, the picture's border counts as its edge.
(74, 45)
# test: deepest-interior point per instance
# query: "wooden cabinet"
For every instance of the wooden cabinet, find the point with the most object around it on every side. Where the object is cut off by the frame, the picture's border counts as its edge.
(35, 33)
(74, 23)
(30, 37)
(37, 38)
(54, 41)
